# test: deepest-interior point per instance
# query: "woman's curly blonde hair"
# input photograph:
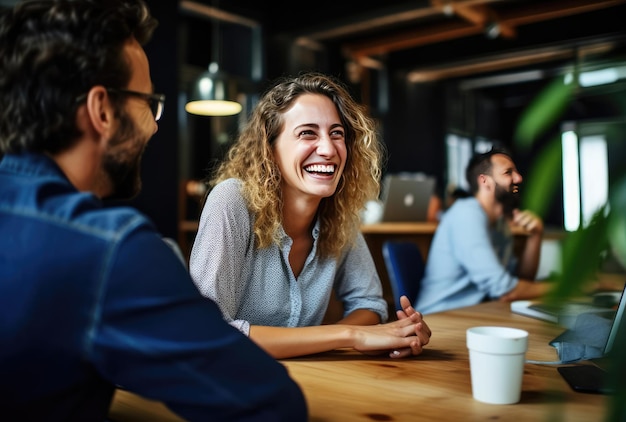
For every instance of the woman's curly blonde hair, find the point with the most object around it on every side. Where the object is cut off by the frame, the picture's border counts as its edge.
(251, 160)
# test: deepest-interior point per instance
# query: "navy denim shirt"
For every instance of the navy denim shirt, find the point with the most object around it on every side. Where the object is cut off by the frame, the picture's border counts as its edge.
(92, 298)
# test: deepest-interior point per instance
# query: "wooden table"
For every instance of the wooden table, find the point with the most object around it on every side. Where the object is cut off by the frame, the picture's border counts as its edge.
(348, 386)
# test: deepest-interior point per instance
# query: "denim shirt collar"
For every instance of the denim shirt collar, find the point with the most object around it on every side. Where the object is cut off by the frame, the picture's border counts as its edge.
(31, 164)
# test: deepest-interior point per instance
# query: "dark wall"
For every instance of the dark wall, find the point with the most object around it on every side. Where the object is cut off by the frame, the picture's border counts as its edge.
(159, 196)
(414, 128)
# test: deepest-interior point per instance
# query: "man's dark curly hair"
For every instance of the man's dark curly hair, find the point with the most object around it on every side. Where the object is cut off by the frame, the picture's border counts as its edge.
(52, 52)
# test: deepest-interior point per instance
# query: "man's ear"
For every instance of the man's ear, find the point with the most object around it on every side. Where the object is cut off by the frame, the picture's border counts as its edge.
(483, 180)
(100, 110)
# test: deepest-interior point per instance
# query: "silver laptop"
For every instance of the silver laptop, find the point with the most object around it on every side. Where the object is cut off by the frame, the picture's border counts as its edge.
(565, 313)
(406, 197)
(590, 377)
(594, 378)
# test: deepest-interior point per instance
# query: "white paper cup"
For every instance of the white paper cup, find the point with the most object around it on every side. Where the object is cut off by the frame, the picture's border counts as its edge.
(497, 356)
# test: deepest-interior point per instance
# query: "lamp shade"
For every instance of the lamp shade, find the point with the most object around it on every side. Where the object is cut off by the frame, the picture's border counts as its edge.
(213, 94)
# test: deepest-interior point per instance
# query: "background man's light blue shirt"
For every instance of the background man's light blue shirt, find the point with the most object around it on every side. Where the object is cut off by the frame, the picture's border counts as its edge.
(468, 260)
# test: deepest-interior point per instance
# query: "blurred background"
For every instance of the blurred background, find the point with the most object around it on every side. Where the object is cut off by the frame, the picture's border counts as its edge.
(444, 79)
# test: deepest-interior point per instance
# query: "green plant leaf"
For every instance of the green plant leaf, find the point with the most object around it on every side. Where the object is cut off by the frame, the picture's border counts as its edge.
(582, 255)
(584, 250)
(543, 112)
(617, 221)
(543, 178)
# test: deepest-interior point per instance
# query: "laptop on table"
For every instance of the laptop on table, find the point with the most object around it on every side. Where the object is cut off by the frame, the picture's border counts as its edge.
(406, 197)
(592, 378)
(565, 313)
(586, 378)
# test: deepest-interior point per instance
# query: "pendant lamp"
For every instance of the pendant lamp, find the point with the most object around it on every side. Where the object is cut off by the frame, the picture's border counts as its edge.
(214, 93)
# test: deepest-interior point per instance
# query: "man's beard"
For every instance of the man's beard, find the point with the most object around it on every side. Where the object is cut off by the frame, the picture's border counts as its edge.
(122, 162)
(508, 199)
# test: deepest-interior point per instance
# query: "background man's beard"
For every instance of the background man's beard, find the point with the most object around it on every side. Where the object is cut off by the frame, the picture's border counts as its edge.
(122, 168)
(508, 199)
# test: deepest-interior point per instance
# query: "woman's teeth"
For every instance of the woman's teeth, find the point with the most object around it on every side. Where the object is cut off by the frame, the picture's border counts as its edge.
(319, 168)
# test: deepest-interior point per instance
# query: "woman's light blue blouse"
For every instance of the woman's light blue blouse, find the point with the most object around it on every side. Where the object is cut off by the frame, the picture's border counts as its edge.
(257, 286)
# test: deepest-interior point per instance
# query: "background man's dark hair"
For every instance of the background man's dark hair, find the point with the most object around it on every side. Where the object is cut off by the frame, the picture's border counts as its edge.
(52, 52)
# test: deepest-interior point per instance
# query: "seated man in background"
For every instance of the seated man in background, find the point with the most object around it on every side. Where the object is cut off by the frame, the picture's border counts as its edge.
(92, 297)
(471, 256)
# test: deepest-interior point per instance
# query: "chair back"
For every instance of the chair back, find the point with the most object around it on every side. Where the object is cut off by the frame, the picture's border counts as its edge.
(405, 267)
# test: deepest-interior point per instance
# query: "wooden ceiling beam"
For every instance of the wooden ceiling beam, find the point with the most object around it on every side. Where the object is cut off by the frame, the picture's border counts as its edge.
(447, 31)
(416, 38)
(356, 25)
(482, 16)
(479, 15)
(491, 64)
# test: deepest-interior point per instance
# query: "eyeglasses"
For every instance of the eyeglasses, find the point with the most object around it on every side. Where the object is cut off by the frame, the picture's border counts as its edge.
(155, 101)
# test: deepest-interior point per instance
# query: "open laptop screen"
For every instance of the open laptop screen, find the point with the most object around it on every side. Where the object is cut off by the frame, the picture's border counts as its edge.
(618, 321)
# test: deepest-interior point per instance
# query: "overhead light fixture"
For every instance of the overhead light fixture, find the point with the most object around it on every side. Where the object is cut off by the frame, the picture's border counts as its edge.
(448, 9)
(493, 30)
(214, 93)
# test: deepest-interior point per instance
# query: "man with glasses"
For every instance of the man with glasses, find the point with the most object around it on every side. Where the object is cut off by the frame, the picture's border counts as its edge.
(92, 298)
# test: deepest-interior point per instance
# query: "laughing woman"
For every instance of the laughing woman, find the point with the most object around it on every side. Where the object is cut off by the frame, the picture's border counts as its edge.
(280, 228)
